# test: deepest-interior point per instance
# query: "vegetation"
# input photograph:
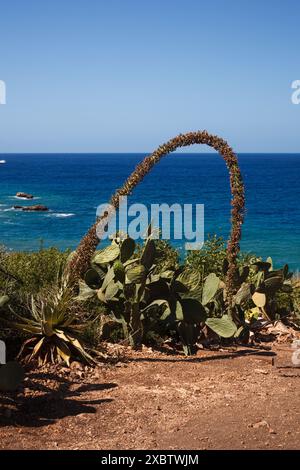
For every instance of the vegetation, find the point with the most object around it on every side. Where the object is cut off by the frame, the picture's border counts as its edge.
(54, 328)
(139, 294)
(85, 251)
(63, 304)
(23, 273)
(41, 305)
(188, 299)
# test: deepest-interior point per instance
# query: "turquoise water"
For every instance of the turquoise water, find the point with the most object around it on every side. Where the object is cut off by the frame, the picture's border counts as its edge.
(72, 186)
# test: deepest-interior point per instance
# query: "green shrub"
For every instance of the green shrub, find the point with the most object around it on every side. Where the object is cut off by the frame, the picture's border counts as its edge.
(28, 273)
(212, 256)
(210, 259)
(144, 290)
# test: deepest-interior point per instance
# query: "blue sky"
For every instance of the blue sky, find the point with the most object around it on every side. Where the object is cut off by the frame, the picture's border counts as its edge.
(126, 75)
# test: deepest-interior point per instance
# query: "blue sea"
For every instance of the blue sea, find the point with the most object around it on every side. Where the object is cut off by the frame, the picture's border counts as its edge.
(73, 185)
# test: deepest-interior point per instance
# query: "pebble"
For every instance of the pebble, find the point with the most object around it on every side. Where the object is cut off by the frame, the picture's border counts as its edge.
(76, 365)
(260, 424)
(261, 371)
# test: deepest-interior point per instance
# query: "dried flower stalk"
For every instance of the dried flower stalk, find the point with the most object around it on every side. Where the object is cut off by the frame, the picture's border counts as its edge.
(81, 259)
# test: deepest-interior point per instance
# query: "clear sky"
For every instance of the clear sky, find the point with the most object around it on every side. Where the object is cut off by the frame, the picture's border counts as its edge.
(126, 75)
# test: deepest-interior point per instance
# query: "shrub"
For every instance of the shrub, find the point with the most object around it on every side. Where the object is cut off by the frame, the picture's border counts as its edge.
(25, 272)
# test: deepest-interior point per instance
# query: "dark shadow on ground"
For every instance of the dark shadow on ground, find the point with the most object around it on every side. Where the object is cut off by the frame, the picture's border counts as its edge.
(215, 357)
(49, 405)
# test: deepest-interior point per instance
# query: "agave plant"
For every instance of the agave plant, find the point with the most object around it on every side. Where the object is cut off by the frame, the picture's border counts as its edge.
(54, 330)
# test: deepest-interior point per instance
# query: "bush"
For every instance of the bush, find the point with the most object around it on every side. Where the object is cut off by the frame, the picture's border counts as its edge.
(30, 272)
(170, 300)
(211, 258)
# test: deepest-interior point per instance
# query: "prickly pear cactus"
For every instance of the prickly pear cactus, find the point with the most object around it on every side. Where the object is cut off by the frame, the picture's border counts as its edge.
(81, 260)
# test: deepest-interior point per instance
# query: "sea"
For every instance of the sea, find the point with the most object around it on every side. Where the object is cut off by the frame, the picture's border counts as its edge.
(72, 186)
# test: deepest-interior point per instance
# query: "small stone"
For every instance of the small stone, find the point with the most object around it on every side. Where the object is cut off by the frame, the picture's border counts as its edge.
(260, 424)
(76, 365)
(97, 374)
(261, 371)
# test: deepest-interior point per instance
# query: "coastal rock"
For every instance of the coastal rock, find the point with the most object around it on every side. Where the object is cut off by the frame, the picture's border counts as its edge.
(37, 208)
(24, 195)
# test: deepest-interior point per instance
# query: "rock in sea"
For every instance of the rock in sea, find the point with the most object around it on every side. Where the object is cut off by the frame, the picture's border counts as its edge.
(24, 195)
(37, 208)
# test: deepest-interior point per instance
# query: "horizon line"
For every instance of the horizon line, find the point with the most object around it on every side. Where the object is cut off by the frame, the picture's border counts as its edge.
(144, 153)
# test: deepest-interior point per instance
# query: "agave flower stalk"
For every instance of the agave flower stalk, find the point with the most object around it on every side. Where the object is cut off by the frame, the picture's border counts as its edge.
(81, 259)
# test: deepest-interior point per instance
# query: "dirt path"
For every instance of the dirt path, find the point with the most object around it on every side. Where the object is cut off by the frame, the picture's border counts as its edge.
(216, 400)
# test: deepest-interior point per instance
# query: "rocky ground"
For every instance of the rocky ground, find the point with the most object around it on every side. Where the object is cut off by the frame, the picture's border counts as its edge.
(232, 398)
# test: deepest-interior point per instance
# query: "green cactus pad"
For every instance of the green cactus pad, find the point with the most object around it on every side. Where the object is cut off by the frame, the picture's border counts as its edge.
(223, 326)
(136, 274)
(109, 254)
(210, 288)
(127, 249)
(93, 279)
(148, 255)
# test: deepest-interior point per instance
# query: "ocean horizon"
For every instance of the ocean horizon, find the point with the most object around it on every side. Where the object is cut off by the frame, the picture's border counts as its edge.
(72, 185)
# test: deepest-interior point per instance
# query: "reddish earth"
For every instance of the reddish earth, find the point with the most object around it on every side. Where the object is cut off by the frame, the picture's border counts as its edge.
(241, 398)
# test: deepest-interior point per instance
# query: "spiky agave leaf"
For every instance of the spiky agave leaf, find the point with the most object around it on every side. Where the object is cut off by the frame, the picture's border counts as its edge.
(54, 328)
(3, 300)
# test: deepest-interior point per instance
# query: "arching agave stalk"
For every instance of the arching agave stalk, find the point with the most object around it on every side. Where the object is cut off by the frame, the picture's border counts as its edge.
(86, 248)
